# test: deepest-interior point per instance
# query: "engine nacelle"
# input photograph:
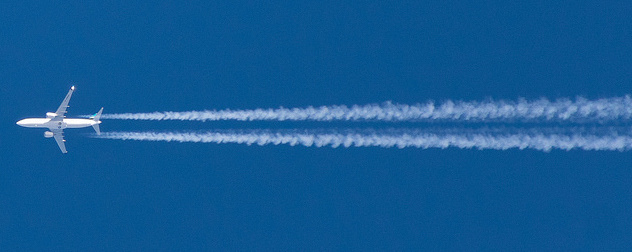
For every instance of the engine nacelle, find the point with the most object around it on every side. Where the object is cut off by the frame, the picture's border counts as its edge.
(50, 115)
(48, 134)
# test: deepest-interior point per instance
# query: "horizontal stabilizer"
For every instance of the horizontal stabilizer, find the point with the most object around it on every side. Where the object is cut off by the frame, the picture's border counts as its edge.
(96, 128)
(97, 116)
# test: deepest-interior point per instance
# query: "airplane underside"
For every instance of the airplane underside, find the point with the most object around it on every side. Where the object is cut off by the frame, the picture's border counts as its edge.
(56, 122)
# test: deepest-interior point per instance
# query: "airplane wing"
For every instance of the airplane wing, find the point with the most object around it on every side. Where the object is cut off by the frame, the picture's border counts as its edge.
(61, 111)
(59, 138)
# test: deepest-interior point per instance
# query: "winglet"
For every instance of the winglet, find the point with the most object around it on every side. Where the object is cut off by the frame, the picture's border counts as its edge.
(72, 88)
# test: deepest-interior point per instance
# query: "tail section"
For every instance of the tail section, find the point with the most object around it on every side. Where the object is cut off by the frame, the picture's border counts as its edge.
(96, 128)
(96, 118)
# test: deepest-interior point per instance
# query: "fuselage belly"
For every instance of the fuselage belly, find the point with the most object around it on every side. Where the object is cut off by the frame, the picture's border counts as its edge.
(72, 123)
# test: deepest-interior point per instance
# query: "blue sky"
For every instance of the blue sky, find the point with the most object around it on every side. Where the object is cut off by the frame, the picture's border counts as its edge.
(144, 57)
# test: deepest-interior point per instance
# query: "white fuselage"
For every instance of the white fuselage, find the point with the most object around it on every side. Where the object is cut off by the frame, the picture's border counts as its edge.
(47, 123)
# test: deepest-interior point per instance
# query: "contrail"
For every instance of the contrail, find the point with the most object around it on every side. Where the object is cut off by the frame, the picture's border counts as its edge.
(542, 110)
(499, 139)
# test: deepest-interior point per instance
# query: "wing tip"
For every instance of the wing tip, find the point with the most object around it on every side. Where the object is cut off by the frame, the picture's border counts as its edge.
(72, 88)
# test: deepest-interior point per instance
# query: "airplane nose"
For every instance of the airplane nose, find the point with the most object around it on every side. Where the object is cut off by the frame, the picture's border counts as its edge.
(19, 122)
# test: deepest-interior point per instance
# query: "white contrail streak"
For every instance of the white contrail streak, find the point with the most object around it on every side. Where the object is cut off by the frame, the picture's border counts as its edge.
(477, 139)
(579, 110)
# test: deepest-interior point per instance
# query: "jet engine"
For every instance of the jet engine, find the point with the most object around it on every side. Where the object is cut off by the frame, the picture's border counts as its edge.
(48, 134)
(50, 115)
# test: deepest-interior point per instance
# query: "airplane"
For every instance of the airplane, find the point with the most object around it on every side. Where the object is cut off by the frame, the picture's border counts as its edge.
(57, 122)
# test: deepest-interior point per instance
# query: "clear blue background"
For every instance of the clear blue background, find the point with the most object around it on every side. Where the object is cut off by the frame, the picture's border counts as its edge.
(167, 55)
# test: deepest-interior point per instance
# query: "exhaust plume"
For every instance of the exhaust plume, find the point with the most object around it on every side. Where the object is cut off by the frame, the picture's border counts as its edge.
(579, 110)
(496, 139)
